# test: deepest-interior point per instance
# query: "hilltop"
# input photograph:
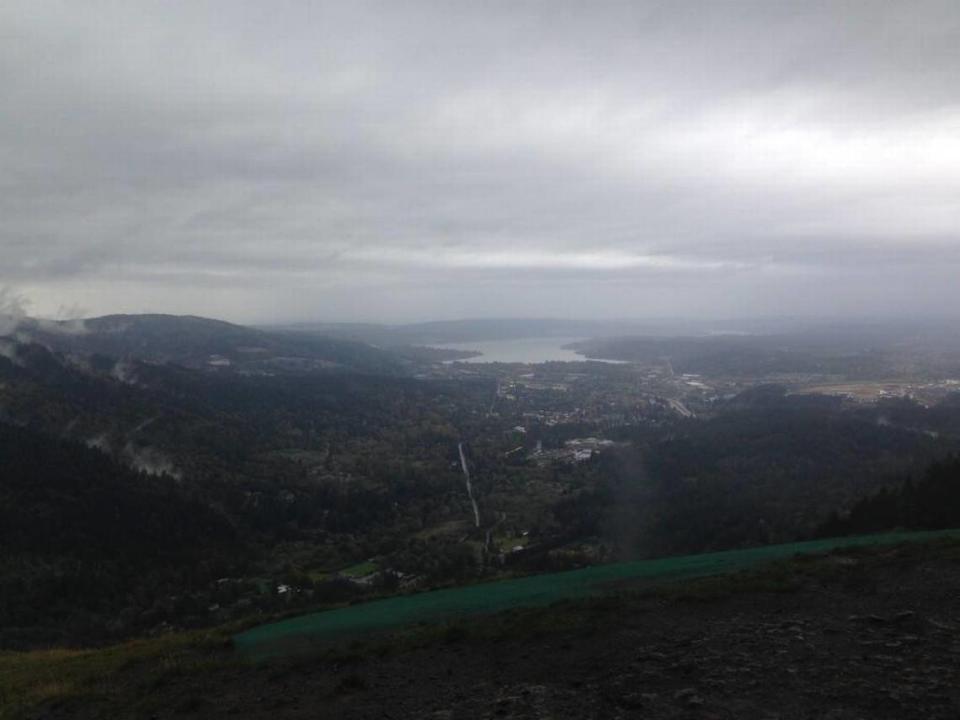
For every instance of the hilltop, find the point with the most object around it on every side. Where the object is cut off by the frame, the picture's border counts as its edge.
(851, 634)
(198, 342)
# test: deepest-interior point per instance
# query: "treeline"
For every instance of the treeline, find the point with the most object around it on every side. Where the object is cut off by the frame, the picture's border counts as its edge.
(930, 503)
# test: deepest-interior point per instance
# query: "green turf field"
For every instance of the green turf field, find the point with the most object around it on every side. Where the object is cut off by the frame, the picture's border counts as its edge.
(299, 634)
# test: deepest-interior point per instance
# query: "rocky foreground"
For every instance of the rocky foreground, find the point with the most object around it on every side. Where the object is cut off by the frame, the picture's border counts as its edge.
(857, 634)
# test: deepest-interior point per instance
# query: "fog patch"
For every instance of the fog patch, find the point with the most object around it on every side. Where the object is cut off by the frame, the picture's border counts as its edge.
(125, 371)
(16, 322)
(99, 442)
(150, 461)
(13, 311)
(9, 349)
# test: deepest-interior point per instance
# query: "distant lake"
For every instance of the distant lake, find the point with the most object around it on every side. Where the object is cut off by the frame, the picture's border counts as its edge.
(523, 350)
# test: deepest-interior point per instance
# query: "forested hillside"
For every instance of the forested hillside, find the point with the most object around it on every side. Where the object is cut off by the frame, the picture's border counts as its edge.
(767, 467)
(250, 493)
(86, 542)
(210, 344)
(929, 502)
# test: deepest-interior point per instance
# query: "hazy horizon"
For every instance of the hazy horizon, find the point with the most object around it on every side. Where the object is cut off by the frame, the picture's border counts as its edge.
(736, 322)
(401, 162)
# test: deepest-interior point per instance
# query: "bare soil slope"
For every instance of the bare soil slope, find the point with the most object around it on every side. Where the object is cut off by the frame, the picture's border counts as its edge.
(868, 633)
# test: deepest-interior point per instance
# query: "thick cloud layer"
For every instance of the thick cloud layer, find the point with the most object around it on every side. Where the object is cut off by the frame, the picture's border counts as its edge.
(406, 160)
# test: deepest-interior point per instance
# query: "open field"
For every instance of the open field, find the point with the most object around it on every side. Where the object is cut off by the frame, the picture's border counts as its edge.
(926, 393)
(859, 391)
(360, 569)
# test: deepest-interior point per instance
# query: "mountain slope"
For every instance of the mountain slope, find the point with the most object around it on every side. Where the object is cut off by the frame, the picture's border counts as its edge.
(82, 537)
(204, 343)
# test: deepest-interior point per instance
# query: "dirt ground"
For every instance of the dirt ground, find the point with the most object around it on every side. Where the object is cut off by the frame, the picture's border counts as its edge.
(850, 635)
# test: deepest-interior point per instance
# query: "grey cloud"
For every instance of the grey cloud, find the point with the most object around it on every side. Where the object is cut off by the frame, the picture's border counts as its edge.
(363, 160)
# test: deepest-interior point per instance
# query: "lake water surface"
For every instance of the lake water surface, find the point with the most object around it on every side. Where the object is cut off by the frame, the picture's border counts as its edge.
(523, 350)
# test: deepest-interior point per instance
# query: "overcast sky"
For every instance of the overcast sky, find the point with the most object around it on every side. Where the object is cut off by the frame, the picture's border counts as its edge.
(408, 160)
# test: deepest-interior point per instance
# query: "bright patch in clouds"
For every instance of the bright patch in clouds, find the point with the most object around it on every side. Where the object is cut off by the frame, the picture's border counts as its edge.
(532, 259)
